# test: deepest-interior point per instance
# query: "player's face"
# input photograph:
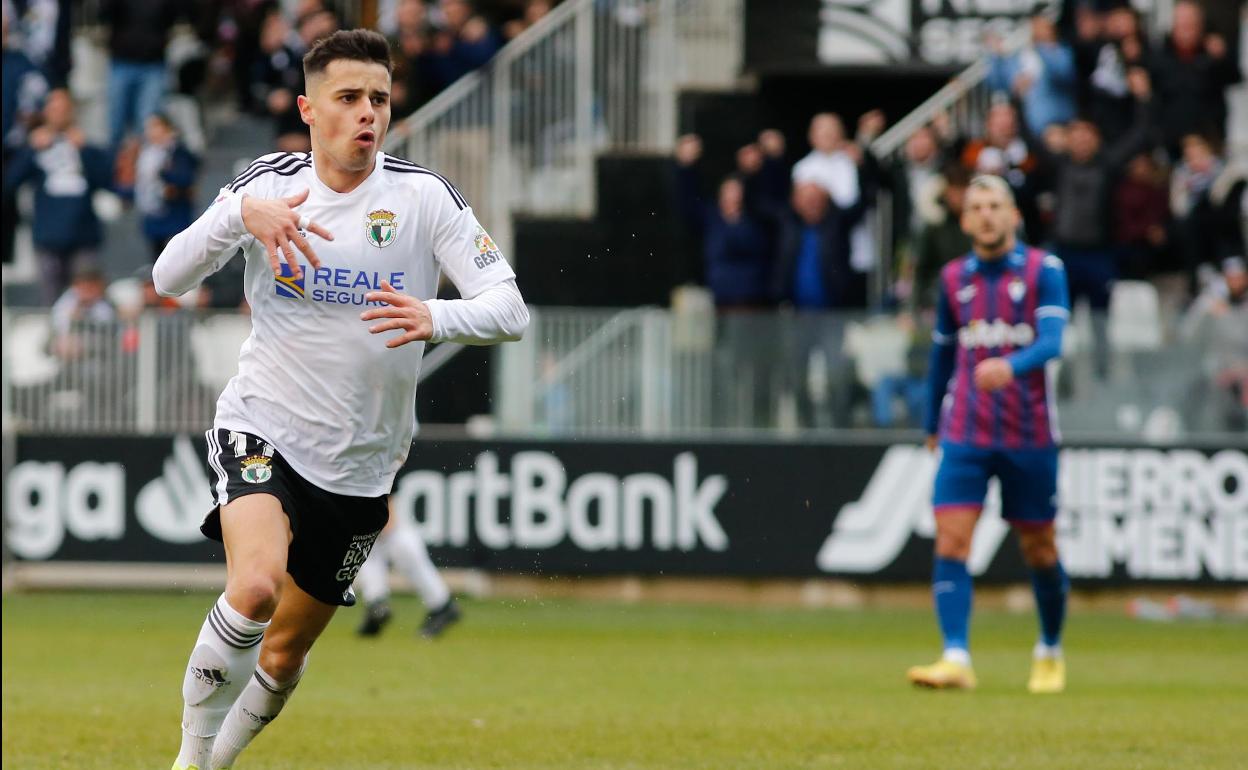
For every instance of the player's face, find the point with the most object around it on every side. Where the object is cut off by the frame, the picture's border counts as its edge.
(989, 219)
(348, 110)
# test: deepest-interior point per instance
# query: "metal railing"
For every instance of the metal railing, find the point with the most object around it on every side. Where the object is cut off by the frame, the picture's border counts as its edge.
(654, 372)
(520, 134)
(153, 374)
(1137, 373)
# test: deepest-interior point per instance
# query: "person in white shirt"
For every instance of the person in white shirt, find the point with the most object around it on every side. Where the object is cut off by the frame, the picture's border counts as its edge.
(343, 247)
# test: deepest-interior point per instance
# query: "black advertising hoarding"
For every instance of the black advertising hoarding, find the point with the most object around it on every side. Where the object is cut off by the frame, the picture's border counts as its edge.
(786, 509)
(799, 34)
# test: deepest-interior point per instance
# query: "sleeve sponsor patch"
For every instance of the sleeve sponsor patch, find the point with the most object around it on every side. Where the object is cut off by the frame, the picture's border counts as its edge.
(487, 251)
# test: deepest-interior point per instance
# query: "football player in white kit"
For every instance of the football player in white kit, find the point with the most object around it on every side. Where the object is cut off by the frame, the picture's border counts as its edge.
(344, 246)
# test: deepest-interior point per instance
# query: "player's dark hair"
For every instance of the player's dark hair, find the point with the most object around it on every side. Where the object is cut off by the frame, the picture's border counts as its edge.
(354, 44)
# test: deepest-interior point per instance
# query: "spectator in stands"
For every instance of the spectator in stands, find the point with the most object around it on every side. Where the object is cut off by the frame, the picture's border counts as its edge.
(277, 80)
(1004, 152)
(138, 34)
(534, 11)
(1141, 219)
(1190, 74)
(737, 249)
(737, 245)
(813, 274)
(66, 171)
(765, 172)
(941, 239)
(1084, 179)
(914, 181)
(1229, 196)
(1121, 48)
(414, 81)
(1216, 322)
(463, 42)
(83, 302)
(813, 258)
(1195, 217)
(847, 174)
(1041, 76)
(1086, 46)
(43, 31)
(24, 90)
(164, 183)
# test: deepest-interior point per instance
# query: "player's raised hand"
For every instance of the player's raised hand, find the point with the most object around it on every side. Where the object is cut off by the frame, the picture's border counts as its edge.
(993, 374)
(276, 224)
(401, 311)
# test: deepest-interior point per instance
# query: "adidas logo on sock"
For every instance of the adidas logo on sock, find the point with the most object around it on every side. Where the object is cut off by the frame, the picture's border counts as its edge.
(257, 718)
(212, 676)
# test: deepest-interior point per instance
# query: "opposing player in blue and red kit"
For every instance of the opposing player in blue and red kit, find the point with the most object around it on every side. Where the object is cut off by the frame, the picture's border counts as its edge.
(1000, 318)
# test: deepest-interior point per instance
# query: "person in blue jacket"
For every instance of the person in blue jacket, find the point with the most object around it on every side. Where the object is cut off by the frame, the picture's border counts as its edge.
(1041, 75)
(65, 172)
(164, 183)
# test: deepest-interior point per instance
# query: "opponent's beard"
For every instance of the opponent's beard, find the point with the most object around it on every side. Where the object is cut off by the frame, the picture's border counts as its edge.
(993, 246)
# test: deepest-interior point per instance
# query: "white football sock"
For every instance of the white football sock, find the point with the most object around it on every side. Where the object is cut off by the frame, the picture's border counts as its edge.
(1042, 650)
(372, 581)
(957, 655)
(224, 655)
(262, 700)
(407, 550)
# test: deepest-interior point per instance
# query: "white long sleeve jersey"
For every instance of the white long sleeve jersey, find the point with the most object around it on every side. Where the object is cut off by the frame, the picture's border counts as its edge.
(312, 380)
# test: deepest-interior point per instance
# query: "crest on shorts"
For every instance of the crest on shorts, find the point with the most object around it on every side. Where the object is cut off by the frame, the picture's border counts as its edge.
(1017, 289)
(381, 227)
(257, 469)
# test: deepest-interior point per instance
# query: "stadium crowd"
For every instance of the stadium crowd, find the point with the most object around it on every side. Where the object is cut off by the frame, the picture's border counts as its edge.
(1113, 144)
(1114, 149)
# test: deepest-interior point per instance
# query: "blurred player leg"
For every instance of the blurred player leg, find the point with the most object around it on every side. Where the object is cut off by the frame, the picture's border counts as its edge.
(1051, 586)
(372, 582)
(256, 533)
(299, 620)
(408, 552)
(952, 595)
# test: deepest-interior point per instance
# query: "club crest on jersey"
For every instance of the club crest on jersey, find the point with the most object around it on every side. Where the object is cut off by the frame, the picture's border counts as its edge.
(1017, 289)
(257, 469)
(487, 251)
(381, 227)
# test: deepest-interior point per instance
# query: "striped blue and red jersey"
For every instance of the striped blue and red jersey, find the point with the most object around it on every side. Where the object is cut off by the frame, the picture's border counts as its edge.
(997, 308)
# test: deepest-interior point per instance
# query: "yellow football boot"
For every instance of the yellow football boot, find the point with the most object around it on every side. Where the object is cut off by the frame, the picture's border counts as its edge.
(943, 675)
(1048, 675)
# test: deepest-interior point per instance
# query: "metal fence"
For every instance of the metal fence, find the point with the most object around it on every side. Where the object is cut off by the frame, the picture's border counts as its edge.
(152, 374)
(653, 372)
(520, 134)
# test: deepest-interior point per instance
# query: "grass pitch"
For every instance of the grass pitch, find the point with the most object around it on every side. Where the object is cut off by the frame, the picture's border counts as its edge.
(92, 680)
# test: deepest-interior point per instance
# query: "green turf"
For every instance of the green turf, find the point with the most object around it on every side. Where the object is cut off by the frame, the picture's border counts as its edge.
(93, 681)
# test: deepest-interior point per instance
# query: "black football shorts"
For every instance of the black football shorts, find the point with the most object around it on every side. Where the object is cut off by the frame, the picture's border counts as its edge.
(333, 533)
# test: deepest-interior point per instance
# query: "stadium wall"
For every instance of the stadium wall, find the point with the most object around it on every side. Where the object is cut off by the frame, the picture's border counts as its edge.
(749, 509)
